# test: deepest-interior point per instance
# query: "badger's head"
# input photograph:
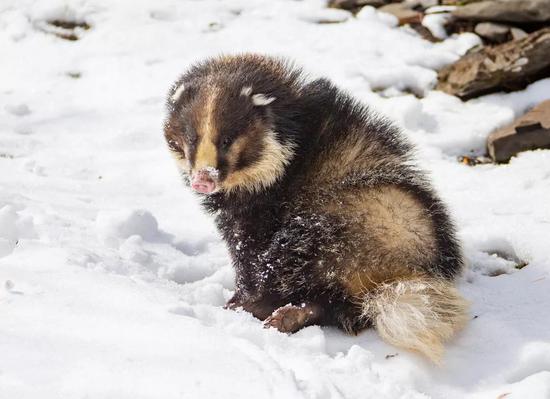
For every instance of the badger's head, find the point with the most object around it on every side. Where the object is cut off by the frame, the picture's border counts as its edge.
(223, 138)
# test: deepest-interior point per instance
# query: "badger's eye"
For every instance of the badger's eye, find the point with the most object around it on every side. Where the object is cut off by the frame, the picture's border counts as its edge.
(226, 143)
(173, 145)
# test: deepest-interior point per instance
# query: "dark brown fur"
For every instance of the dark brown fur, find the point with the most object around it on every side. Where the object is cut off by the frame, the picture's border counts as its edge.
(318, 201)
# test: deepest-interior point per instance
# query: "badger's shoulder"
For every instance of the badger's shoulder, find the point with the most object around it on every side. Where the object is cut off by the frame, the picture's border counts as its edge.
(351, 141)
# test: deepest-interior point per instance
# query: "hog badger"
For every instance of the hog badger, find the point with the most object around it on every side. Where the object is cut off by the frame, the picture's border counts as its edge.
(326, 218)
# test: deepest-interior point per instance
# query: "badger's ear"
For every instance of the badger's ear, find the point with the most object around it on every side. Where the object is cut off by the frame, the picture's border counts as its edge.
(246, 91)
(177, 92)
(182, 93)
(259, 100)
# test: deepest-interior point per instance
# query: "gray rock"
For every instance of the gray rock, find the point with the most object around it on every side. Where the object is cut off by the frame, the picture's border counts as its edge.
(495, 33)
(403, 13)
(517, 33)
(458, 2)
(421, 4)
(529, 132)
(515, 11)
(504, 67)
(424, 32)
(373, 3)
(355, 5)
(428, 3)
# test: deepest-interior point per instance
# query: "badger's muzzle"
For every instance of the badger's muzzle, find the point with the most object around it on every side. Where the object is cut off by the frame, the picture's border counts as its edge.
(204, 181)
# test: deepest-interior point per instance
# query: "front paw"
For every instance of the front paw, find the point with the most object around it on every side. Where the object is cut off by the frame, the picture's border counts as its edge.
(288, 319)
(259, 309)
(237, 301)
(231, 304)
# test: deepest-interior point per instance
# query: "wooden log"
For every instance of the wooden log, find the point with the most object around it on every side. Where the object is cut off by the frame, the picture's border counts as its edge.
(506, 67)
(529, 132)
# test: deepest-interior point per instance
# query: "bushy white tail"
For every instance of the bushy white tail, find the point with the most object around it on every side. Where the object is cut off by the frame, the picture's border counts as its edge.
(419, 314)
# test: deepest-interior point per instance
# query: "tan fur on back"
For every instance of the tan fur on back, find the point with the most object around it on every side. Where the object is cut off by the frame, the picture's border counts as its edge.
(392, 239)
(393, 232)
(354, 155)
(418, 314)
(398, 218)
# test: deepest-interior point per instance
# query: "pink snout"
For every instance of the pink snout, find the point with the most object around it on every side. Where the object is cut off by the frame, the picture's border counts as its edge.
(203, 182)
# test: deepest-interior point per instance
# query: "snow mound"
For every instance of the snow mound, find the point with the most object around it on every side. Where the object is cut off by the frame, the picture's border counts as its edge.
(534, 358)
(326, 16)
(14, 227)
(115, 226)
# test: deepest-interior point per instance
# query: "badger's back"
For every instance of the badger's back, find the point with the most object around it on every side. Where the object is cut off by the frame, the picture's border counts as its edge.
(360, 167)
(402, 251)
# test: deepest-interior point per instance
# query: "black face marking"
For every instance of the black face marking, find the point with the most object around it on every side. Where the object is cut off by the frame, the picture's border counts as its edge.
(234, 118)
(223, 167)
(251, 153)
(190, 136)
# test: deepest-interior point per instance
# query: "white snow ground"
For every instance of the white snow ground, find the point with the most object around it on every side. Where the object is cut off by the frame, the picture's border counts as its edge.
(112, 280)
